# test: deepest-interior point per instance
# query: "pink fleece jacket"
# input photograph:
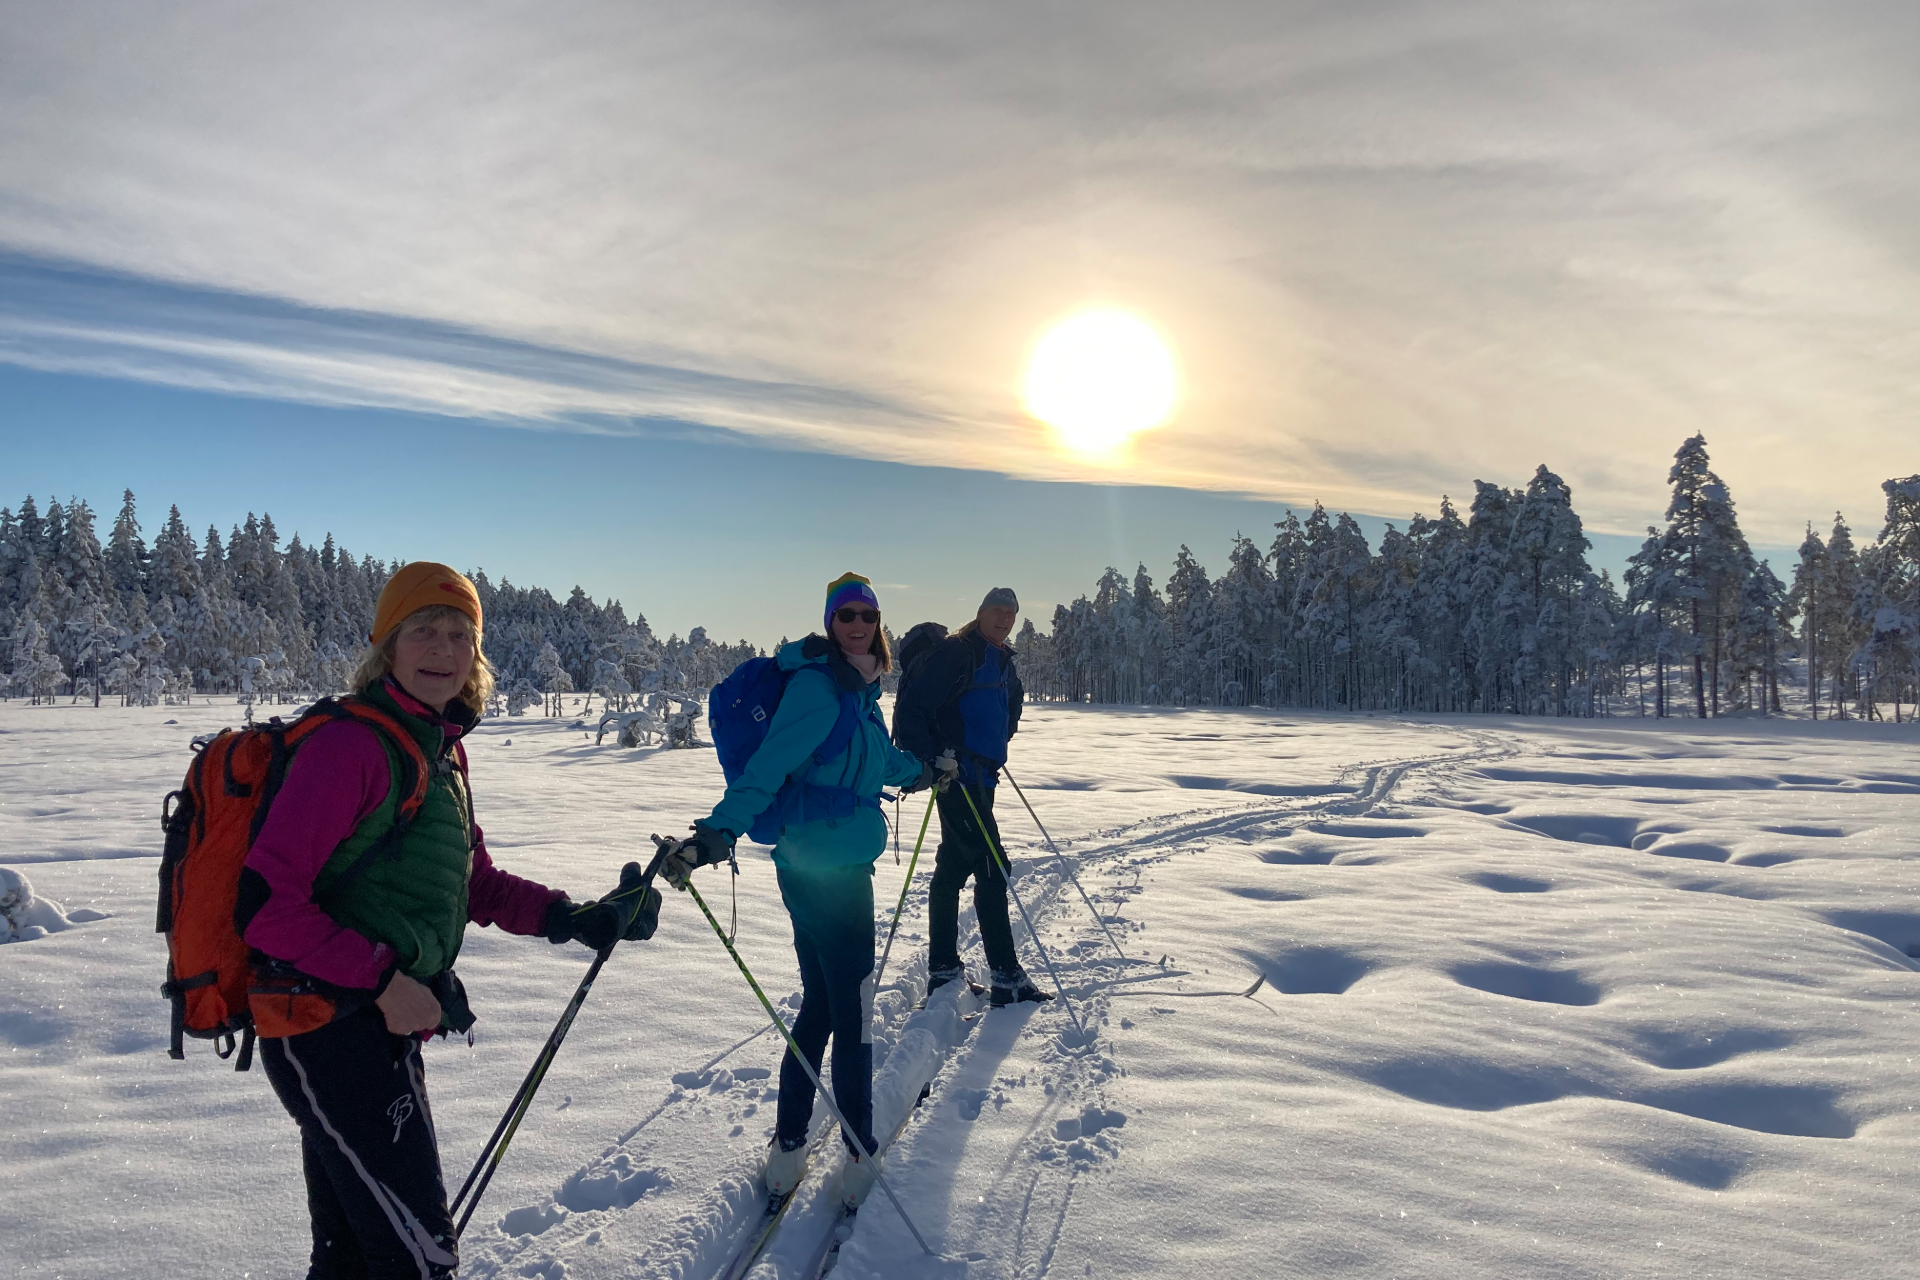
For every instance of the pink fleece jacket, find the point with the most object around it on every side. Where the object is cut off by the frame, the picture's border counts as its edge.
(338, 777)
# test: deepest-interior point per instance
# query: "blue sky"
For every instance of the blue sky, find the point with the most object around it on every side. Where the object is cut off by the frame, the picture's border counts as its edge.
(637, 517)
(572, 262)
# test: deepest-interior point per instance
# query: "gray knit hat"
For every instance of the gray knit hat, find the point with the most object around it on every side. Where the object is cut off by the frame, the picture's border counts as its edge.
(1003, 597)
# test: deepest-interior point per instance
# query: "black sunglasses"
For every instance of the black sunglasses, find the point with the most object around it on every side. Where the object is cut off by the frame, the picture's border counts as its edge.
(857, 615)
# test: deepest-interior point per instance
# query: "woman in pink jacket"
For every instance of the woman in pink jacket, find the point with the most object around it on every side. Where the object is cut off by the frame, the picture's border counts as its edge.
(363, 914)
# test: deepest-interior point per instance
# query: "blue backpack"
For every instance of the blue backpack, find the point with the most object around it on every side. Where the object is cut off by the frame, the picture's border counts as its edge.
(739, 713)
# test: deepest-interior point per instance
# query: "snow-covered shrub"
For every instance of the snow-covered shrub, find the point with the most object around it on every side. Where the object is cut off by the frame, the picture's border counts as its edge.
(521, 696)
(23, 916)
(631, 728)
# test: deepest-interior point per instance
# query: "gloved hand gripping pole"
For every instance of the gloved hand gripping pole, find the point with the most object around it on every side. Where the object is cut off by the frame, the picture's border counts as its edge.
(853, 1139)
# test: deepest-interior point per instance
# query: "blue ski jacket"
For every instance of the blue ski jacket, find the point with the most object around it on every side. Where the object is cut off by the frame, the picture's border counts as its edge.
(963, 695)
(806, 715)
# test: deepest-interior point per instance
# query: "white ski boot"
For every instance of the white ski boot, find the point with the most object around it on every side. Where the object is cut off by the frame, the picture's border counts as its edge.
(857, 1181)
(785, 1168)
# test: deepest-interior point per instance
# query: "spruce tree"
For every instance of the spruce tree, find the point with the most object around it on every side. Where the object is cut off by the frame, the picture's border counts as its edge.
(1808, 599)
(1838, 623)
(126, 553)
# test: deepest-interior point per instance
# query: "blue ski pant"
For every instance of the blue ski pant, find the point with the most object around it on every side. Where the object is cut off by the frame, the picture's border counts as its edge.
(832, 910)
(367, 1147)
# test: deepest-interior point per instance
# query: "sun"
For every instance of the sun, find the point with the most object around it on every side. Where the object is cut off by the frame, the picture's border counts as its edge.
(1099, 378)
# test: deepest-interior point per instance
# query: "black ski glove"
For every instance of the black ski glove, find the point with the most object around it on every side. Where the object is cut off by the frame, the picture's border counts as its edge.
(939, 771)
(706, 847)
(630, 913)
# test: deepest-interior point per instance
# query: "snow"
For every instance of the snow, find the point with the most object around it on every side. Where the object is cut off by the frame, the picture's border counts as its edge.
(1535, 997)
(24, 916)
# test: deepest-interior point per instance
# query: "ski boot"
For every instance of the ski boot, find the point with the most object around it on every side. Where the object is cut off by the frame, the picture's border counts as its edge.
(938, 978)
(785, 1167)
(857, 1182)
(1019, 991)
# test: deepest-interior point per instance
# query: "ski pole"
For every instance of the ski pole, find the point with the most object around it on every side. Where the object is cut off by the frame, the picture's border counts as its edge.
(496, 1148)
(1064, 864)
(906, 884)
(1007, 868)
(794, 1048)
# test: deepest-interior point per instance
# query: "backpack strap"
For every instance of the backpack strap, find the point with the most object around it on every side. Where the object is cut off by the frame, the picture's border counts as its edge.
(411, 785)
(798, 800)
(843, 725)
(460, 765)
(842, 732)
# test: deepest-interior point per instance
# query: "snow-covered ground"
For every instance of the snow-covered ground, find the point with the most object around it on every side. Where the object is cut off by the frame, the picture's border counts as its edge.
(1564, 999)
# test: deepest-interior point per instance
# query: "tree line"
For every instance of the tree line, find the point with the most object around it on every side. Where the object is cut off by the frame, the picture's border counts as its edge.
(243, 615)
(1500, 611)
(1496, 611)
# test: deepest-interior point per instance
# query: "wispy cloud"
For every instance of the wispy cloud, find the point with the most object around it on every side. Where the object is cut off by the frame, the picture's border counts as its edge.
(1397, 245)
(68, 318)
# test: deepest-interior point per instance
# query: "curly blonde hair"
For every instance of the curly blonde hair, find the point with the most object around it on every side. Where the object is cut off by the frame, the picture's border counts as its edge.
(377, 662)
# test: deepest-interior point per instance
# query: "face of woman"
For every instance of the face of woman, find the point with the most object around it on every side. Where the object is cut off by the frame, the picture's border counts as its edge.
(432, 660)
(855, 637)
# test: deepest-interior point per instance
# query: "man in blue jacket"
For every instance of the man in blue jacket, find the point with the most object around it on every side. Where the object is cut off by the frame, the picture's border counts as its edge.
(964, 696)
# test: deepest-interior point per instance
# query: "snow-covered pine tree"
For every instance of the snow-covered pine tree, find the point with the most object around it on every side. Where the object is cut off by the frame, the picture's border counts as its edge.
(93, 642)
(1242, 624)
(1887, 603)
(554, 680)
(1840, 626)
(1499, 636)
(126, 553)
(37, 671)
(1188, 616)
(1808, 600)
(1757, 637)
(1549, 551)
(1711, 563)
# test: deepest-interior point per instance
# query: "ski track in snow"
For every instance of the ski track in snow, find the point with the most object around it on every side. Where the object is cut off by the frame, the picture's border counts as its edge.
(1572, 998)
(963, 1066)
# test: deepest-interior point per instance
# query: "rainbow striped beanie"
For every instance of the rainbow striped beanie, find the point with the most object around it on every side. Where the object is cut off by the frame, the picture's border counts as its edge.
(849, 588)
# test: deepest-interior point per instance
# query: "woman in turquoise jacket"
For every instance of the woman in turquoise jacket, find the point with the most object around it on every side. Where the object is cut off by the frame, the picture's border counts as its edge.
(824, 865)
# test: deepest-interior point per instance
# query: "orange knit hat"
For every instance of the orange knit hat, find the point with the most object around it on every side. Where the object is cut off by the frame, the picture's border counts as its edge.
(417, 585)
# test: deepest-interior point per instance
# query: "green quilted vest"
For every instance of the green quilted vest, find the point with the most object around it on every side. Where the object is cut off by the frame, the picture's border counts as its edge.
(413, 894)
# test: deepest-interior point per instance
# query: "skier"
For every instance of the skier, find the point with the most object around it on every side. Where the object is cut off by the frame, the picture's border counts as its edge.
(964, 696)
(824, 863)
(370, 944)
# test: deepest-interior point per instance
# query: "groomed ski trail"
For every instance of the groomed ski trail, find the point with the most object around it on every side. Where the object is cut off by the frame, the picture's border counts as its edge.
(710, 1128)
(1035, 1046)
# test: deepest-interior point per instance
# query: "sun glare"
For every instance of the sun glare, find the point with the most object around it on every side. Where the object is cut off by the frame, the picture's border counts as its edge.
(1099, 378)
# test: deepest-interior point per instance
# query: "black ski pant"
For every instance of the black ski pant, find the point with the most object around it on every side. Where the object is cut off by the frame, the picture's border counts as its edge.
(359, 1095)
(964, 852)
(832, 910)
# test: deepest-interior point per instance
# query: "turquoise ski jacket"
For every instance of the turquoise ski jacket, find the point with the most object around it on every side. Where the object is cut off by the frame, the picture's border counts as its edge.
(807, 712)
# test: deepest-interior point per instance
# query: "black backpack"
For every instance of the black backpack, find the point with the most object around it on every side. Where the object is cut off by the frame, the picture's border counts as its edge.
(915, 645)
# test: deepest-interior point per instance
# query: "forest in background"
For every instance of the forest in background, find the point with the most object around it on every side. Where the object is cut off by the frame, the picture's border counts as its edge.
(1498, 611)
(243, 615)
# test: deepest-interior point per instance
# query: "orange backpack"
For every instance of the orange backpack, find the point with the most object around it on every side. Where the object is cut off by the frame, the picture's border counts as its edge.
(210, 824)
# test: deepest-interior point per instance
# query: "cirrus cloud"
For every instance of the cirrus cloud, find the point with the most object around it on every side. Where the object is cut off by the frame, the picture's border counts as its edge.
(1397, 245)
